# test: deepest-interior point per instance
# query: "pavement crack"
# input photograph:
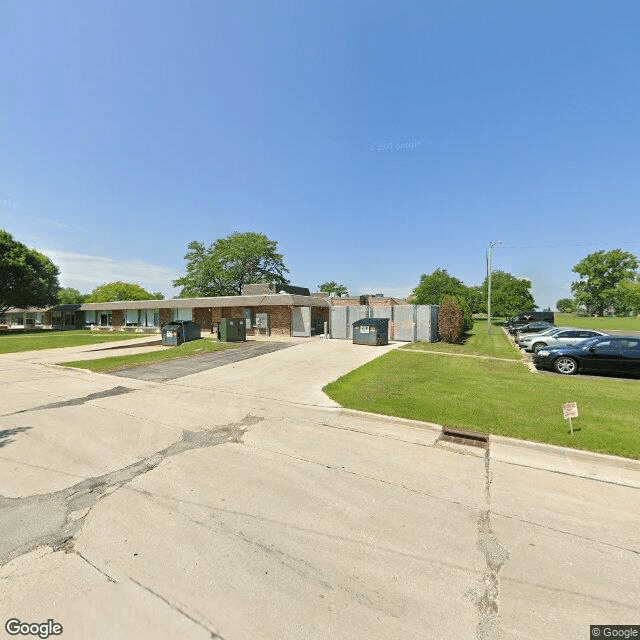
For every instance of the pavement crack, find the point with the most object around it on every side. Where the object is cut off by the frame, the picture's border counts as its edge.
(565, 532)
(74, 402)
(213, 634)
(54, 519)
(68, 546)
(487, 597)
(363, 476)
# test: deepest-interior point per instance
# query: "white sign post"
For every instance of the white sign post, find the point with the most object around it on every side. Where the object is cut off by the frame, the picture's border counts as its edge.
(570, 410)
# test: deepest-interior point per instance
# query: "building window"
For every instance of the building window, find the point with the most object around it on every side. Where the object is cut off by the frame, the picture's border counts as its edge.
(39, 319)
(91, 317)
(105, 318)
(149, 318)
(181, 314)
(131, 318)
(17, 319)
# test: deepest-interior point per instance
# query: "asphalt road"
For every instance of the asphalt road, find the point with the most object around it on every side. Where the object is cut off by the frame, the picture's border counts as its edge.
(180, 367)
(241, 503)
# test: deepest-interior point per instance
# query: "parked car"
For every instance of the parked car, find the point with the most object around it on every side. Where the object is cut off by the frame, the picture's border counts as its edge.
(618, 354)
(567, 337)
(532, 316)
(530, 327)
(524, 338)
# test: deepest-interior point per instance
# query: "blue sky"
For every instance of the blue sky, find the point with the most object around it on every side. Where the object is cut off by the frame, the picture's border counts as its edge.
(374, 141)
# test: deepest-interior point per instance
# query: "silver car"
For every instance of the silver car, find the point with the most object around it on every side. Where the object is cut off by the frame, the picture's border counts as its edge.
(568, 337)
(525, 338)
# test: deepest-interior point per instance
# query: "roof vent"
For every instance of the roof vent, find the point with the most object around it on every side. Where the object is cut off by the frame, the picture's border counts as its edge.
(344, 295)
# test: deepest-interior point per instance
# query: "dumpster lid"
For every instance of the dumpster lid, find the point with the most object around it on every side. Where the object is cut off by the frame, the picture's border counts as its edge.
(176, 324)
(371, 322)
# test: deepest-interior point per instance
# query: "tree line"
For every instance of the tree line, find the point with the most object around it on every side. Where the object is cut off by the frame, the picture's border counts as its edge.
(607, 280)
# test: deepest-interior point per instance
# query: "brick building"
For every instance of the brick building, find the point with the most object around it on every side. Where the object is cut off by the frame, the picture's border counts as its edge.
(266, 312)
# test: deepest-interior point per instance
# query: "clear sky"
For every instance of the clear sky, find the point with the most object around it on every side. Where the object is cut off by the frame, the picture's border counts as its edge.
(375, 141)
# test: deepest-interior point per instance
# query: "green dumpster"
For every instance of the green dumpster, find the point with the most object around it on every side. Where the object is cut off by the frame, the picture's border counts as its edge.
(232, 330)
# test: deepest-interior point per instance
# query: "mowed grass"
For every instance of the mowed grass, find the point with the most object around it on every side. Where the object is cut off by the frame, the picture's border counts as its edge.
(479, 343)
(116, 363)
(608, 323)
(497, 397)
(46, 339)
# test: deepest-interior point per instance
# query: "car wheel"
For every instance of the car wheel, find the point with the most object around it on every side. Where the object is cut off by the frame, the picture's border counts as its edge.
(565, 365)
(537, 346)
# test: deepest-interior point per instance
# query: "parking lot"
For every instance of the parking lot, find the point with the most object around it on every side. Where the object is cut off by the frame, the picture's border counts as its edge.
(527, 357)
(241, 502)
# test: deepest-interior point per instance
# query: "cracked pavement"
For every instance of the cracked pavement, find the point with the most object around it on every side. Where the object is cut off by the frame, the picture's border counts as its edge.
(242, 503)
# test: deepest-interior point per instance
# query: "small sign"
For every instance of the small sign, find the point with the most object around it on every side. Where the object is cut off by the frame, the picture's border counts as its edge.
(570, 410)
(364, 329)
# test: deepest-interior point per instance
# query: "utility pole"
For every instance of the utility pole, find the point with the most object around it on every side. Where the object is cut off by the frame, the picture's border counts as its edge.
(489, 252)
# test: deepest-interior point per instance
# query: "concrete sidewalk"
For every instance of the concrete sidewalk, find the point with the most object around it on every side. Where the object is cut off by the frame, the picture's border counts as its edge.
(242, 503)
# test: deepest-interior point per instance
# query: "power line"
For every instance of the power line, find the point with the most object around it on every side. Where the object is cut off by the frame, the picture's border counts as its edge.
(562, 246)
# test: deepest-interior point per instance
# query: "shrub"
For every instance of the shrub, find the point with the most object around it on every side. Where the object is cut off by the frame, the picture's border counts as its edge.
(467, 316)
(450, 321)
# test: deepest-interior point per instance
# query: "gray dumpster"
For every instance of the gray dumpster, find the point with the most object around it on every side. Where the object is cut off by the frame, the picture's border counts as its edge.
(180, 331)
(373, 331)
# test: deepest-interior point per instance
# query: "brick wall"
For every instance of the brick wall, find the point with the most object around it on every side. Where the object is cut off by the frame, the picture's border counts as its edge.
(279, 319)
(165, 316)
(347, 302)
(381, 302)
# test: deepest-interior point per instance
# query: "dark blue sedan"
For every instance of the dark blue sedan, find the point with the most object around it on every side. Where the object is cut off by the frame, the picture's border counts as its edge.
(610, 354)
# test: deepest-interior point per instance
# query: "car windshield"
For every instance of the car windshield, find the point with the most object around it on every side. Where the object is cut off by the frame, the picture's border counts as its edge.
(551, 331)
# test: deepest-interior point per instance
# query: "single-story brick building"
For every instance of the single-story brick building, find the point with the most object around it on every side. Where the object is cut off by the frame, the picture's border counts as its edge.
(62, 316)
(268, 309)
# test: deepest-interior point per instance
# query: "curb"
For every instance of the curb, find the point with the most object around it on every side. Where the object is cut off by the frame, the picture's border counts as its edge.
(577, 454)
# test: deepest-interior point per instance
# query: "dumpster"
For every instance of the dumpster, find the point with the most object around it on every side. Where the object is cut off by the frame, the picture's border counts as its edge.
(180, 331)
(373, 331)
(232, 330)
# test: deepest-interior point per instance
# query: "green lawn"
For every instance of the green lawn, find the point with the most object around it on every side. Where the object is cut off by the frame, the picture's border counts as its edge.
(599, 324)
(479, 343)
(115, 363)
(497, 397)
(45, 339)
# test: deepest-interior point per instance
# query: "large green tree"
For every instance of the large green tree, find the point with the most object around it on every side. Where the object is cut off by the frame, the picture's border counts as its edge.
(600, 273)
(223, 268)
(27, 277)
(119, 291)
(333, 287)
(566, 305)
(435, 286)
(626, 297)
(68, 295)
(509, 294)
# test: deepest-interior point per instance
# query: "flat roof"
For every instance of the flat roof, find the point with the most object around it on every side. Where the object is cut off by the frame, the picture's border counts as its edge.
(277, 299)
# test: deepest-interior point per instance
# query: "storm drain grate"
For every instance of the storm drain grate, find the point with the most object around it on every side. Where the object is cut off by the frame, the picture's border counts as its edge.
(461, 436)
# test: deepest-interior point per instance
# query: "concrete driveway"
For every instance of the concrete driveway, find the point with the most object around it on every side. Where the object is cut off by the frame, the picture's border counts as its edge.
(242, 503)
